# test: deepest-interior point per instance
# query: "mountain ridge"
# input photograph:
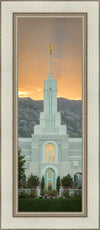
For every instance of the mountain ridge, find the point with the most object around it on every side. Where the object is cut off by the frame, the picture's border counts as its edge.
(29, 111)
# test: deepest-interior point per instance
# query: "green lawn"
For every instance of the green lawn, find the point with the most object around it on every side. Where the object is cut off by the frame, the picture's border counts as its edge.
(49, 205)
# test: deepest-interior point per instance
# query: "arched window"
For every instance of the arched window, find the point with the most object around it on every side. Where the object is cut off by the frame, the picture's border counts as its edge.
(78, 179)
(50, 153)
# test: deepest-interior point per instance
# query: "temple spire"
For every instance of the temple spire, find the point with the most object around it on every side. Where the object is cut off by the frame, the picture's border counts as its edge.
(50, 74)
(50, 48)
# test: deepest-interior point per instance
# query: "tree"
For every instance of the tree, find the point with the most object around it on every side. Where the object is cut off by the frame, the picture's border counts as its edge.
(67, 181)
(58, 183)
(24, 181)
(33, 181)
(42, 183)
(21, 169)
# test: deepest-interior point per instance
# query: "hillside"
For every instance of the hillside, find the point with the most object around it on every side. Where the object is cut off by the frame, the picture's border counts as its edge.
(29, 111)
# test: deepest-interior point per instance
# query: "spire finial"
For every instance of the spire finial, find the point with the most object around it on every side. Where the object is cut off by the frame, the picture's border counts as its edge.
(50, 74)
(50, 48)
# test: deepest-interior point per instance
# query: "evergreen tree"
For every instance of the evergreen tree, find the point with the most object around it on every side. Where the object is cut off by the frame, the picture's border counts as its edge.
(58, 183)
(21, 168)
(24, 181)
(42, 183)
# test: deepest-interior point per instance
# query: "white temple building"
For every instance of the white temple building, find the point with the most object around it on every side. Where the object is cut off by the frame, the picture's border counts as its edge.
(50, 152)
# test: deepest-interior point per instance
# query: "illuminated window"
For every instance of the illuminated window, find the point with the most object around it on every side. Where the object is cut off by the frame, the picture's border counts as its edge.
(50, 153)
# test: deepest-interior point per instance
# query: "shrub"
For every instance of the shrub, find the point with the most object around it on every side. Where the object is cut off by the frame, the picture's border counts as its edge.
(23, 195)
(50, 192)
(54, 192)
(26, 192)
(32, 194)
(42, 192)
(77, 195)
(66, 193)
(67, 181)
(45, 192)
(33, 181)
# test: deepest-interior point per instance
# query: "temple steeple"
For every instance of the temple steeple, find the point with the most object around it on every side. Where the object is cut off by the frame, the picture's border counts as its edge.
(50, 74)
(50, 119)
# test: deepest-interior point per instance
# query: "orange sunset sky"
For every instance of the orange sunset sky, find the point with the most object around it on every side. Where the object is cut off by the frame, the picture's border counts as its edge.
(34, 38)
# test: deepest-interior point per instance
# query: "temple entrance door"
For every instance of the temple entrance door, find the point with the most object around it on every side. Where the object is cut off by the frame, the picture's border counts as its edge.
(49, 187)
(50, 179)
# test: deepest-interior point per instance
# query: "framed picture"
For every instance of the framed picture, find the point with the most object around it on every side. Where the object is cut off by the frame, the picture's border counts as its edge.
(50, 114)
(52, 152)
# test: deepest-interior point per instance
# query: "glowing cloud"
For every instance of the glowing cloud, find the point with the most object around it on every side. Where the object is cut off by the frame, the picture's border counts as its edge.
(34, 38)
(22, 94)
